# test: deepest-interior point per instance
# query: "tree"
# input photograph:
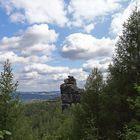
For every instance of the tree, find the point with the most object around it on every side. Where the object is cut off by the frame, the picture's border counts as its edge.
(93, 90)
(86, 114)
(132, 129)
(124, 71)
(3, 133)
(126, 61)
(8, 101)
(12, 117)
(92, 103)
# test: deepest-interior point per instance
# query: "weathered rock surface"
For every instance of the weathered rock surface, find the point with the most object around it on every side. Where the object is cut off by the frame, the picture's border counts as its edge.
(70, 93)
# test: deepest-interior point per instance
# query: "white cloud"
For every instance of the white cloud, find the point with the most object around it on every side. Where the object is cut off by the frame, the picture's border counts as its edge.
(38, 59)
(36, 11)
(38, 34)
(89, 28)
(39, 48)
(121, 17)
(29, 76)
(17, 17)
(84, 46)
(85, 12)
(88, 9)
(33, 47)
(36, 42)
(9, 43)
(50, 76)
(14, 58)
(45, 69)
(102, 64)
(77, 13)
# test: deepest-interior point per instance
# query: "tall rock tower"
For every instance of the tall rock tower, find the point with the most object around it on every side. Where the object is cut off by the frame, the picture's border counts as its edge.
(70, 93)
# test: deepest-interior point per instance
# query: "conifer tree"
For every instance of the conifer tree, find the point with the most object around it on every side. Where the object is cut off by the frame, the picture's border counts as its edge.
(86, 115)
(132, 129)
(91, 104)
(12, 118)
(93, 90)
(124, 72)
(8, 101)
(126, 62)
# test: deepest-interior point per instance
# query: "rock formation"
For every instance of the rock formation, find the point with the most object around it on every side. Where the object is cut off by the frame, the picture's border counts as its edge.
(70, 93)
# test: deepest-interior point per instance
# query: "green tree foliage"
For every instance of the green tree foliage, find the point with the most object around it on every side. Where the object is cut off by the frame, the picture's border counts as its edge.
(132, 129)
(91, 103)
(86, 114)
(11, 111)
(124, 71)
(4, 133)
(8, 103)
(45, 117)
(126, 66)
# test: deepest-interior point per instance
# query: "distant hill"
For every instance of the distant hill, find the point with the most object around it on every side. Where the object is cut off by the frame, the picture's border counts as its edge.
(37, 96)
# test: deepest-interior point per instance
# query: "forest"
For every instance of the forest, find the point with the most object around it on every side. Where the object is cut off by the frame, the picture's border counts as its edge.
(109, 108)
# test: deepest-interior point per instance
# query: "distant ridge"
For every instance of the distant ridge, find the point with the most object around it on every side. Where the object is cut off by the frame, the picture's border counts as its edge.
(38, 96)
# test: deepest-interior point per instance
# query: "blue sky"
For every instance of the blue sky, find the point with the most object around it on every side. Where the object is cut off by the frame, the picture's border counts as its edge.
(47, 40)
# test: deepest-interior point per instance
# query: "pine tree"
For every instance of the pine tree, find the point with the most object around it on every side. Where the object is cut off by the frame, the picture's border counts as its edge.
(86, 115)
(8, 100)
(12, 117)
(126, 62)
(132, 129)
(124, 72)
(93, 90)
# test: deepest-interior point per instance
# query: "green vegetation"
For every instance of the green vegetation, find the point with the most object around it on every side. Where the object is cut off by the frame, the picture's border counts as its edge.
(4, 133)
(12, 118)
(132, 129)
(109, 109)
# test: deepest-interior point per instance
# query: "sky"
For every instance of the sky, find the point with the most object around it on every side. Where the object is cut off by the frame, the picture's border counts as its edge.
(47, 40)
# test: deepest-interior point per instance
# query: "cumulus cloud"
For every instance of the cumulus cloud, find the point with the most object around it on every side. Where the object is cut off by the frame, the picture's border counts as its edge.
(36, 11)
(102, 64)
(84, 46)
(47, 75)
(9, 43)
(77, 13)
(88, 28)
(45, 69)
(34, 47)
(43, 77)
(17, 17)
(39, 33)
(14, 58)
(38, 38)
(56, 71)
(119, 18)
(36, 42)
(84, 12)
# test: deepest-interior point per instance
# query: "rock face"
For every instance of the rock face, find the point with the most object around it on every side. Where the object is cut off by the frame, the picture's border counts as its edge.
(70, 93)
